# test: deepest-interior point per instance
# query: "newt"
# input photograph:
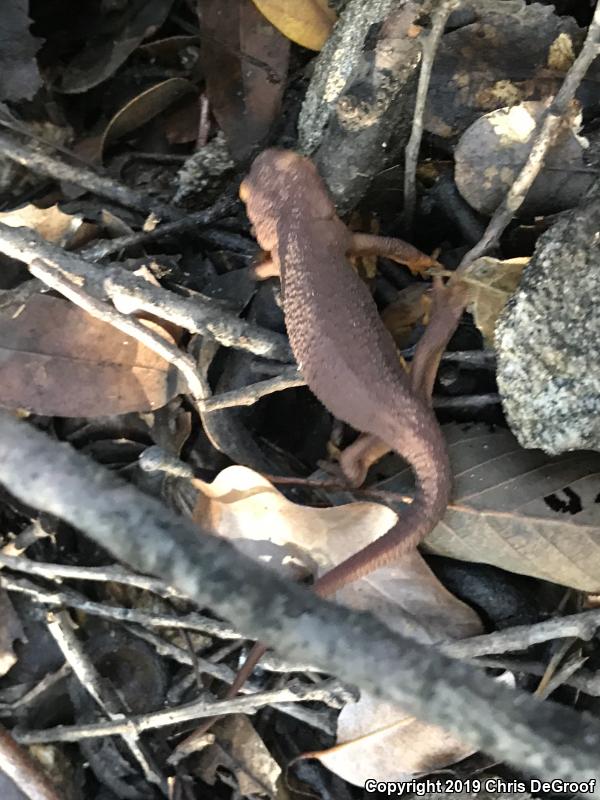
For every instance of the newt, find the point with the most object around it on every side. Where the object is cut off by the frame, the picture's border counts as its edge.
(343, 350)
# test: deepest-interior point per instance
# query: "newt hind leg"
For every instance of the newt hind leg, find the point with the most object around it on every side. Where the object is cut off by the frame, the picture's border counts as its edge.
(366, 244)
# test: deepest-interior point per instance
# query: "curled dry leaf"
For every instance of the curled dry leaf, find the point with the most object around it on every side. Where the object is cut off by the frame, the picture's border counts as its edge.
(374, 738)
(492, 151)
(491, 283)
(67, 230)
(306, 22)
(57, 360)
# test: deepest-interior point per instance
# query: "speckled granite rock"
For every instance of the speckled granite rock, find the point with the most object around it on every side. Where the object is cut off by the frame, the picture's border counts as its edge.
(548, 336)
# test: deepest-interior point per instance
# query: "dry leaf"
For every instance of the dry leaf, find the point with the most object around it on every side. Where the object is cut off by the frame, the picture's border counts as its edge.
(57, 360)
(376, 741)
(67, 230)
(306, 22)
(493, 150)
(144, 107)
(245, 62)
(245, 508)
(491, 283)
(517, 509)
(241, 751)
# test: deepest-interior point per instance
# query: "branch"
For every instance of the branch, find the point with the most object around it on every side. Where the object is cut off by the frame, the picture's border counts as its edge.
(137, 529)
(411, 154)
(196, 314)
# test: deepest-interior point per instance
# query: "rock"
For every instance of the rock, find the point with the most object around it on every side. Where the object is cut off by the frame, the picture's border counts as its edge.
(547, 339)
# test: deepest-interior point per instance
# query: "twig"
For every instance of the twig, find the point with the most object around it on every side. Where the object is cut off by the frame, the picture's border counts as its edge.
(61, 628)
(49, 680)
(582, 626)
(139, 530)
(197, 314)
(43, 163)
(104, 574)
(328, 691)
(23, 771)
(546, 131)
(146, 619)
(439, 331)
(584, 680)
(122, 322)
(72, 599)
(411, 154)
(191, 223)
(248, 395)
(467, 401)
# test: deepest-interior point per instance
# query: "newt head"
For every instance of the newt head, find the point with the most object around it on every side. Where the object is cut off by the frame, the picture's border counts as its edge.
(280, 183)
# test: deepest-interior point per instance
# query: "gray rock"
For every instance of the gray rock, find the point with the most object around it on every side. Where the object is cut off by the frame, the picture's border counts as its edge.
(547, 339)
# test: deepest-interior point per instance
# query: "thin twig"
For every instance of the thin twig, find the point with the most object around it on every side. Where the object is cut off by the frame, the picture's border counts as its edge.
(61, 628)
(49, 680)
(72, 599)
(247, 395)
(581, 626)
(24, 771)
(330, 692)
(122, 322)
(139, 530)
(115, 574)
(411, 154)
(197, 315)
(583, 681)
(192, 223)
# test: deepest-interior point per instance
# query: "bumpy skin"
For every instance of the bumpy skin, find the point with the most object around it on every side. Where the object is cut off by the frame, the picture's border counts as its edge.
(343, 350)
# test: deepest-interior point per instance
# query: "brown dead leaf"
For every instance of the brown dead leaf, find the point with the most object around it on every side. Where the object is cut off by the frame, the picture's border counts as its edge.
(306, 22)
(245, 62)
(491, 283)
(245, 508)
(241, 751)
(517, 509)
(67, 230)
(374, 739)
(57, 360)
(10, 631)
(144, 107)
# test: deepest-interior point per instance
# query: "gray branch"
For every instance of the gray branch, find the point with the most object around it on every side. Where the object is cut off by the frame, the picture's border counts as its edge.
(539, 737)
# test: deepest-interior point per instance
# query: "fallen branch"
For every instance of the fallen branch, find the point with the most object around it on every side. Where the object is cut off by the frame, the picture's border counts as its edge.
(540, 738)
(197, 315)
